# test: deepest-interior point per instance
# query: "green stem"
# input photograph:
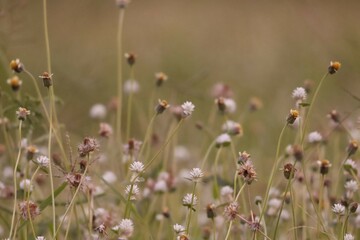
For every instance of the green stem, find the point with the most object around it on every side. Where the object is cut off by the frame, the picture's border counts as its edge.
(281, 208)
(190, 209)
(292, 203)
(228, 231)
(216, 186)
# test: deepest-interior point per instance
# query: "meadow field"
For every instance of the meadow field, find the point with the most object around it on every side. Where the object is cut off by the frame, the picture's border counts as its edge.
(179, 119)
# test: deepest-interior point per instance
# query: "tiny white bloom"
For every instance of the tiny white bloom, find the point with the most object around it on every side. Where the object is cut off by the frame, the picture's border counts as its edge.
(25, 185)
(351, 186)
(226, 191)
(338, 208)
(348, 236)
(134, 191)
(275, 203)
(131, 86)
(126, 227)
(160, 186)
(196, 174)
(299, 94)
(40, 238)
(137, 167)
(350, 163)
(109, 177)
(98, 111)
(223, 140)
(188, 198)
(230, 105)
(188, 108)
(314, 137)
(43, 161)
(178, 228)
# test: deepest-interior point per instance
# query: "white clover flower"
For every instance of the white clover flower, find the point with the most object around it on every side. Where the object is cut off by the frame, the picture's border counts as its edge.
(230, 105)
(98, 111)
(43, 161)
(223, 140)
(135, 192)
(125, 227)
(299, 94)
(351, 186)
(178, 228)
(137, 167)
(348, 236)
(188, 108)
(131, 86)
(338, 208)
(160, 186)
(196, 174)
(109, 177)
(25, 185)
(314, 137)
(188, 198)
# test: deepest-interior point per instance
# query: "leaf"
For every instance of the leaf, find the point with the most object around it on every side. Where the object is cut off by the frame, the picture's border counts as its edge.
(304, 104)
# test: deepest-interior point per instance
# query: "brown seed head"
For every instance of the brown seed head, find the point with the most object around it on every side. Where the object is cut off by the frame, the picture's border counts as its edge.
(324, 166)
(160, 78)
(293, 115)
(14, 83)
(16, 66)
(162, 106)
(30, 152)
(352, 147)
(46, 77)
(210, 210)
(334, 115)
(131, 58)
(221, 104)
(255, 104)
(289, 171)
(334, 67)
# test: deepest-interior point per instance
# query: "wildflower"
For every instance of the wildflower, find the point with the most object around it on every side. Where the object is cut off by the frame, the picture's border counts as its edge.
(231, 211)
(189, 200)
(125, 228)
(223, 140)
(160, 78)
(334, 67)
(255, 224)
(182, 237)
(299, 94)
(40, 238)
(210, 211)
(258, 200)
(226, 105)
(324, 166)
(294, 114)
(227, 192)
(162, 106)
(22, 113)
(43, 161)
(351, 187)
(133, 191)
(188, 108)
(298, 152)
(131, 58)
(274, 205)
(247, 172)
(160, 186)
(105, 130)
(232, 128)
(314, 137)
(352, 147)
(15, 83)
(132, 148)
(109, 177)
(16, 65)
(28, 210)
(178, 228)
(221, 90)
(255, 104)
(98, 111)
(243, 157)
(30, 152)
(122, 3)
(353, 207)
(338, 209)
(334, 116)
(289, 171)
(25, 185)
(46, 77)
(131, 86)
(348, 236)
(137, 167)
(196, 174)
(89, 145)
(101, 229)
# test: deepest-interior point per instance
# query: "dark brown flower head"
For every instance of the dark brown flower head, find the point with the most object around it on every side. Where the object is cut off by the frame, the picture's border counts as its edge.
(247, 172)
(16, 66)
(243, 157)
(221, 104)
(255, 225)
(334, 67)
(289, 171)
(162, 106)
(334, 116)
(183, 237)
(308, 85)
(122, 3)
(298, 152)
(28, 210)
(46, 77)
(324, 166)
(293, 115)
(88, 146)
(15, 83)
(132, 148)
(352, 147)
(353, 207)
(160, 78)
(231, 211)
(30, 152)
(255, 104)
(210, 211)
(105, 130)
(74, 180)
(131, 58)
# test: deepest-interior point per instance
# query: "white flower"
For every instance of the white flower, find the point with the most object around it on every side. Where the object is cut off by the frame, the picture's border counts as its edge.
(314, 137)
(134, 191)
(160, 186)
(299, 94)
(98, 111)
(43, 161)
(126, 228)
(223, 140)
(350, 163)
(196, 174)
(231, 127)
(338, 208)
(178, 228)
(348, 236)
(351, 186)
(275, 203)
(109, 177)
(230, 105)
(7, 172)
(226, 191)
(188, 108)
(131, 86)
(188, 199)
(40, 238)
(25, 185)
(137, 167)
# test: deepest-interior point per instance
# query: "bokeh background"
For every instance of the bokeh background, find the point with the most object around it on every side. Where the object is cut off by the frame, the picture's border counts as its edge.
(259, 48)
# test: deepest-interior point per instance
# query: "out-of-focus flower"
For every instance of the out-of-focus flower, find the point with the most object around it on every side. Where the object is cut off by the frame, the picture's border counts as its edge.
(15, 83)
(98, 111)
(22, 113)
(188, 108)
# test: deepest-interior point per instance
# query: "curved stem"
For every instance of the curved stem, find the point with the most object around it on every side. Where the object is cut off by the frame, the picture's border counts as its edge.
(228, 231)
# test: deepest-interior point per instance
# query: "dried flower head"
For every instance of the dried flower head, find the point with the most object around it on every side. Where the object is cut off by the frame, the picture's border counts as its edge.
(43, 161)
(47, 79)
(162, 106)
(308, 85)
(160, 78)
(105, 130)
(243, 157)
(289, 171)
(352, 147)
(226, 105)
(189, 200)
(293, 115)
(88, 146)
(334, 116)
(30, 152)
(125, 228)
(324, 166)
(298, 152)
(247, 172)
(353, 207)
(231, 211)
(131, 58)
(196, 174)
(188, 108)
(22, 113)
(15, 83)
(28, 210)
(338, 209)
(334, 67)
(210, 211)
(122, 3)
(16, 65)
(178, 228)
(221, 90)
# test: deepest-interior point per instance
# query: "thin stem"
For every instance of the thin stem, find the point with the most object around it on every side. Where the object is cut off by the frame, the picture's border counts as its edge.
(293, 211)
(228, 231)
(216, 186)
(190, 209)
(281, 208)
(322, 180)
(147, 135)
(15, 185)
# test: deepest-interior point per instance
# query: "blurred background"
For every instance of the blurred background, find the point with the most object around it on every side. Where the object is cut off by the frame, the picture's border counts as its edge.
(259, 48)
